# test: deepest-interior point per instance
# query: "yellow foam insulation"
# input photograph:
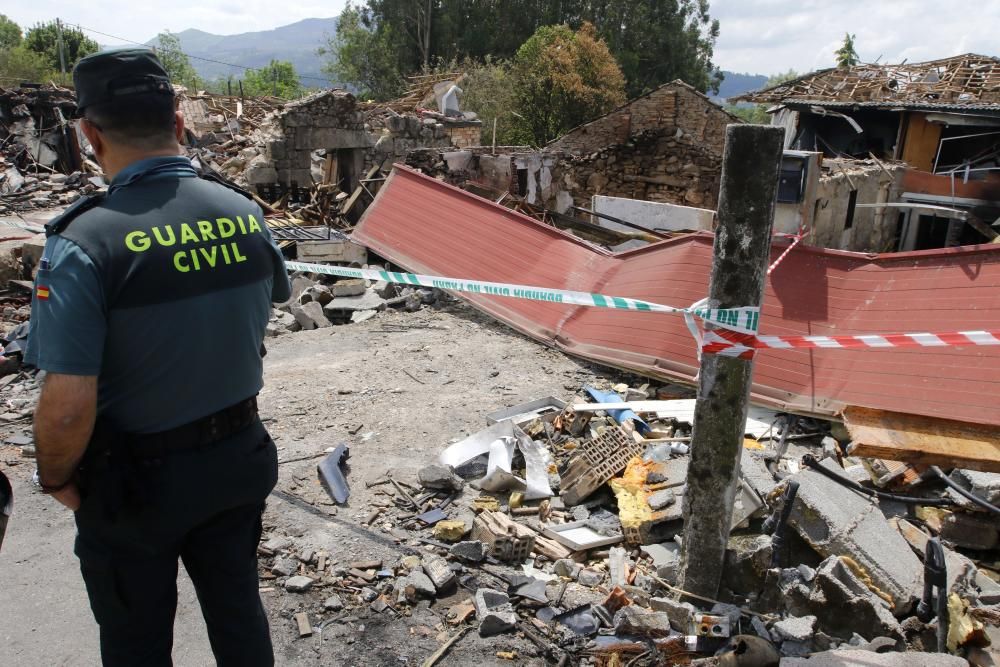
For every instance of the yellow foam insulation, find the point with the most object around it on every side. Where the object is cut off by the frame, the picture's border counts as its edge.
(631, 492)
(866, 579)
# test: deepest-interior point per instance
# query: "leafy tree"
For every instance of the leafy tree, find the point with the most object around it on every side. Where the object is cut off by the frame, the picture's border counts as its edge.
(754, 113)
(657, 42)
(10, 33)
(44, 39)
(18, 63)
(364, 56)
(279, 75)
(654, 42)
(846, 55)
(175, 61)
(564, 78)
(488, 89)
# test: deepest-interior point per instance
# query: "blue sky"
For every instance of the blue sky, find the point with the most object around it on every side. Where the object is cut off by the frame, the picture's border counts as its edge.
(758, 36)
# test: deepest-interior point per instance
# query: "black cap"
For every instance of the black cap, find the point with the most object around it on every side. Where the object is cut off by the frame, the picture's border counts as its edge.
(109, 75)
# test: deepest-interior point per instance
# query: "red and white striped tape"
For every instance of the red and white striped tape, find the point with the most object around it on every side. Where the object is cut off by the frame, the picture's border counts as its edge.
(796, 239)
(734, 344)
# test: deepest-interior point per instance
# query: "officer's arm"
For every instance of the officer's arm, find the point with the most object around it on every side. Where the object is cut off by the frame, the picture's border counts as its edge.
(66, 339)
(64, 421)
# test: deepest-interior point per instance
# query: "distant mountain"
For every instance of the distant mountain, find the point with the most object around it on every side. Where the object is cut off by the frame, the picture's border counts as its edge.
(735, 84)
(296, 43)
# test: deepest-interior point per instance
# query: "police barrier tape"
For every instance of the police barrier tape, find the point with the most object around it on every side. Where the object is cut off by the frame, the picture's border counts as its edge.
(737, 338)
(744, 346)
(743, 320)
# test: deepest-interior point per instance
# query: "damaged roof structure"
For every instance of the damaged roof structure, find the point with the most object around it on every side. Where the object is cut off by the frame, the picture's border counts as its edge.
(431, 227)
(557, 529)
(941, 119)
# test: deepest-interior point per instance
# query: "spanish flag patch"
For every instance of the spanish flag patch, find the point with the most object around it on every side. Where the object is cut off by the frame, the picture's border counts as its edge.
(43, 292)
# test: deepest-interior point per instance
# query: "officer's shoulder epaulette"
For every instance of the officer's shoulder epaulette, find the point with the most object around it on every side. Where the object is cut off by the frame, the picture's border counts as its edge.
(59, 223)
(227, 184)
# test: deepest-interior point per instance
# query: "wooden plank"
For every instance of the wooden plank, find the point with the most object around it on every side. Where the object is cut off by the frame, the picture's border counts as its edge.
(305, 627)
(924, 440)
(921, 142)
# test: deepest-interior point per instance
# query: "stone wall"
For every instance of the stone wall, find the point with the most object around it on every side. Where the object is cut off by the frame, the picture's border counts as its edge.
(328, 120)
(653, 166)
(871, 229)
(397, 135)
(331, 121)
(672, 108)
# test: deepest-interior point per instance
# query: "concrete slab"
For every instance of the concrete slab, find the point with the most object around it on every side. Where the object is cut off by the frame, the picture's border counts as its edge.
(657, 216)
(849, 658)
(836, 521)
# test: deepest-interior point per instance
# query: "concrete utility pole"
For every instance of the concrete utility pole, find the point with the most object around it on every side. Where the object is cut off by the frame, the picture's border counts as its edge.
(747, 195)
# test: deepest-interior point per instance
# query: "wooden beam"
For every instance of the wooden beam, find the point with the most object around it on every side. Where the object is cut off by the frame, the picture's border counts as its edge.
(927, 440)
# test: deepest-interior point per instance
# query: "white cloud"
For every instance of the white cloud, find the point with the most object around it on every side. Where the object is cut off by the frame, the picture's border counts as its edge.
(771, 36)
(757, 36)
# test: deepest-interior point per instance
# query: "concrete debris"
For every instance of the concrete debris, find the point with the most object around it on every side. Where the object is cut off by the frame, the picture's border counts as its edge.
(838, 522)
(799, 629)
(680, 613)
(440, 477)
(421, 583)
(299, 583)
(986, 485)
(472, 551)
(285, 567)
(495, 613)
(591, 578)
(849, 658)
(333, 603)
(441, 575)
(633, 620)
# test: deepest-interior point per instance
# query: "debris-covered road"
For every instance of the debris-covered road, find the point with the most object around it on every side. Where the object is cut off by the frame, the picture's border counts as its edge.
(321, 386)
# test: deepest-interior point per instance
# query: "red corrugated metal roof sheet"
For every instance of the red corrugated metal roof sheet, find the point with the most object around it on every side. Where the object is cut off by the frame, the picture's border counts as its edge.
(429, 227)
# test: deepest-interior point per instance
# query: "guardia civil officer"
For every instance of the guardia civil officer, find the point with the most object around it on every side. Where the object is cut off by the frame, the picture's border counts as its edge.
(148, 316)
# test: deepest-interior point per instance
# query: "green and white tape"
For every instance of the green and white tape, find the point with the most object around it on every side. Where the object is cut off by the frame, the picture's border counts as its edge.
(745, 319)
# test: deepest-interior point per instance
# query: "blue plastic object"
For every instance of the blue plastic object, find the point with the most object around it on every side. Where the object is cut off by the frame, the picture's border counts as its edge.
(618, 415)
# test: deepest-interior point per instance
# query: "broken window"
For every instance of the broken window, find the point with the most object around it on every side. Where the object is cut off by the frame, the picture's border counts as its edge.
(852, 202)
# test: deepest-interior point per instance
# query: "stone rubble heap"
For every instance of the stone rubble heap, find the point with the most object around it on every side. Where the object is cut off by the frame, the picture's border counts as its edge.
(846, 579)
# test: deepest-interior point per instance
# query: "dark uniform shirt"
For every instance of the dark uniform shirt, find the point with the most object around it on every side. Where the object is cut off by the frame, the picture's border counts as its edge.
(163, 290)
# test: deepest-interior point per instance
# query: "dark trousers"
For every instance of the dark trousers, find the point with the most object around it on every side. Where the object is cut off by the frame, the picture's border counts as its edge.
(201, 505)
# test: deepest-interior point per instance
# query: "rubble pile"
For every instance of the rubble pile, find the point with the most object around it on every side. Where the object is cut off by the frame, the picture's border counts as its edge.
(563, 525)
(40, 161)
(327, 301)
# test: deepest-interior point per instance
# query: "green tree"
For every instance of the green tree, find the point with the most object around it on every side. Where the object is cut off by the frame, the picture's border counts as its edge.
(279, 76)
(20, 64)
(10, 33)
(175, 61)
(563, 78)
(44, 39)
(488, 90)
(364, 56)
(654, 42)
(846, 55)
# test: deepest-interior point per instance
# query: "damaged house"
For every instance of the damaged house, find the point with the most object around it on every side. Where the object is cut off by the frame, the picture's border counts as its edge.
(665, 147)
(939, 120)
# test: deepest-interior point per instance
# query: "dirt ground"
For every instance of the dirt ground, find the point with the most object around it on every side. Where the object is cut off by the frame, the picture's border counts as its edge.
(397, 389)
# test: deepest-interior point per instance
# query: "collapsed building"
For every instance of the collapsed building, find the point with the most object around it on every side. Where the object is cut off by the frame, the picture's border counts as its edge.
(939, 119)
(578, 519)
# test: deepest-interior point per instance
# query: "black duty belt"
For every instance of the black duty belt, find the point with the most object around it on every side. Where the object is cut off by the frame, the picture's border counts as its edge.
(199, 433)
